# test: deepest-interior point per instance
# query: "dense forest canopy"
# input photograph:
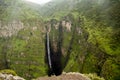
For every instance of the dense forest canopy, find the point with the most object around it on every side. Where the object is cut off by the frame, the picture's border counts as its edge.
(90, 36)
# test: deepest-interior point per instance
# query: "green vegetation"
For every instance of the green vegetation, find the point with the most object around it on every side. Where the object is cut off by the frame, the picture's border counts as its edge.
(94, 77)
(92, 45)
(8, 71)
(110, 70)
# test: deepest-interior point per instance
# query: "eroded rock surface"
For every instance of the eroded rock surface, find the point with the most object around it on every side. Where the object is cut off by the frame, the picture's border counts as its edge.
(66, 76)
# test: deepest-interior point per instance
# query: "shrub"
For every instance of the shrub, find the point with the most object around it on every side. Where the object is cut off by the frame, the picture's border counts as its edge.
(94, 76)
(111, 69)
(8, 71)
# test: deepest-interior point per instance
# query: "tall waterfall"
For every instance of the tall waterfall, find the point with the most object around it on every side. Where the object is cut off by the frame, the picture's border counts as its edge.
(48, 50)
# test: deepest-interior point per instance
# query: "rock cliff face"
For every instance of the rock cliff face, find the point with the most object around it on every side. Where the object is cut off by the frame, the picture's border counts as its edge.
(10, 28)
(65, 35)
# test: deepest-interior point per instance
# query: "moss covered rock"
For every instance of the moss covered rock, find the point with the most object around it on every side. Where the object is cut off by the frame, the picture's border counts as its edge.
(8, 71)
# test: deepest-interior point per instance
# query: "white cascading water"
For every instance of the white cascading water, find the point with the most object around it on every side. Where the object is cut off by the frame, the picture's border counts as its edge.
(48, 50)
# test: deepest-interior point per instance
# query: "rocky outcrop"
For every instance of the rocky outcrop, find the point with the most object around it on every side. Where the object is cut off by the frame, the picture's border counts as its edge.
(66, 76)
(10, 28)
(10, 77)
(67, 25)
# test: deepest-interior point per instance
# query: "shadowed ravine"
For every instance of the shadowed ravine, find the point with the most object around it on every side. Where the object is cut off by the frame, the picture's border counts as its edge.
(53, 58)
(54, 46)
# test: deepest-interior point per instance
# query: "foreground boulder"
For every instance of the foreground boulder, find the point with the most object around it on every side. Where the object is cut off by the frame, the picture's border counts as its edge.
(10, 77)
(66, 76)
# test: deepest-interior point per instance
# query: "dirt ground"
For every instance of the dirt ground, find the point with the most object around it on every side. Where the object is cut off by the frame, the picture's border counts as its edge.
(66, 76)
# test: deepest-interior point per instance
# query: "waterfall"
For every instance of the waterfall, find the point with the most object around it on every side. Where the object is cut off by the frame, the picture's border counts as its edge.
(48, 50)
